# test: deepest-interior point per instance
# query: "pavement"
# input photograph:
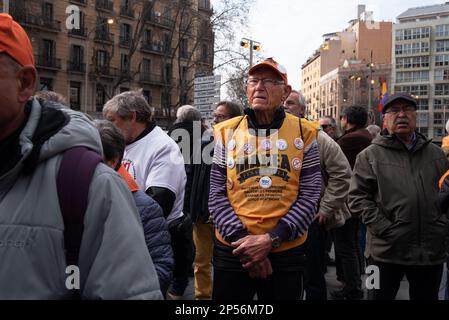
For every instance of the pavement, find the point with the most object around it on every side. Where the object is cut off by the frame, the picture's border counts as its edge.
(334, 284)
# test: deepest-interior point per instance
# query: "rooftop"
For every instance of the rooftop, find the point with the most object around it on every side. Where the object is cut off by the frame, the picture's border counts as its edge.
(425, 11)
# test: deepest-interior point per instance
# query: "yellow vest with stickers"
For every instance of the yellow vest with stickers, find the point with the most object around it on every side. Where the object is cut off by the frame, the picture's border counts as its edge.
(263, 173)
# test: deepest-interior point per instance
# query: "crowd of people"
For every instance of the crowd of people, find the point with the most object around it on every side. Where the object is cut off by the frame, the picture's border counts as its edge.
(251, 205)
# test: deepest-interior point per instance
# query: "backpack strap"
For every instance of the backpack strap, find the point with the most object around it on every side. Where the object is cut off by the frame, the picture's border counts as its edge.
(73, 181)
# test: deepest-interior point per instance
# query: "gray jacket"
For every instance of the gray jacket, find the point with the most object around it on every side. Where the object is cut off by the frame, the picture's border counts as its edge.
(396, 193)
(336, 173)
(114, 262)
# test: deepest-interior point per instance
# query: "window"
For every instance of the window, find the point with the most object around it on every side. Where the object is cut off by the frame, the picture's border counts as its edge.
(46, 84)
(124, 63)
(48, 50)
(412, 76)
(184, 74)
(147, 36)
(442, 30)
(417, 90)
(47, 12)
(442, 89)
(441, 104)
(165, 101)
(100, 97)
(167, 43)
(167, 73)
(125, 34)
(147, 95)
(184, 53)
(441, 74)
(146, 66)
(76, 58)
(101, 58)
(423, 104)
(75, 95)
(442, 45)
(437, 118)
(442, 60)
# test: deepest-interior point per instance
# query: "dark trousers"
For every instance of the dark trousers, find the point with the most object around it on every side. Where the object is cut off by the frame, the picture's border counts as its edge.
(424, 281)
(347, 252)
(181, 233)
(232, 282)
(314, 281)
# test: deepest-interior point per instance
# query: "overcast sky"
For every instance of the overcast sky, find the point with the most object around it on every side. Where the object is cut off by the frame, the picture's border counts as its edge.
(291, 30)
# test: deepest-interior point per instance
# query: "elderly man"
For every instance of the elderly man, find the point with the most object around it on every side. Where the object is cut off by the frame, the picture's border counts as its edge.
(36, 140)
(395, 190)
(265, 186)
(154, 160)
(329, 125)
(336, 175)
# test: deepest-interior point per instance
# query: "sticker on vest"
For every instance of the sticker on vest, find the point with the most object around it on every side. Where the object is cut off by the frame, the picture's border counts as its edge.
(231, 163)
(265, 182)
(282, 145)
(299, 144)
(266, 145)
(230, 183)
(231, 145)
(296, 164)
(248, 148)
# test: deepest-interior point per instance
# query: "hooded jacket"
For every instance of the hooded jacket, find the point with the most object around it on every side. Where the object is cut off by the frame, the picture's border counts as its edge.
(114, 262)
(395, 190)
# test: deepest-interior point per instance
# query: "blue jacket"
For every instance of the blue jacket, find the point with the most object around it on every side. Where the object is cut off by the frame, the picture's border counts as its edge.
(157, 237)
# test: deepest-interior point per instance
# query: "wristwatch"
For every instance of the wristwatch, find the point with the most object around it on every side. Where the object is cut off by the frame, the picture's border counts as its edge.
(275, 241)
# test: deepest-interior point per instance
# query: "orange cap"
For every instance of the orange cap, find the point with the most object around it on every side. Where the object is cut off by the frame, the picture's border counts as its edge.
(14, 41)
(273, 65)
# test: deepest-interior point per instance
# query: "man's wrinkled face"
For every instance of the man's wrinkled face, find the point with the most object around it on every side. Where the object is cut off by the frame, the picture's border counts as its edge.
(400, 118)
(125, 126)
(292, 105)
(269, 91)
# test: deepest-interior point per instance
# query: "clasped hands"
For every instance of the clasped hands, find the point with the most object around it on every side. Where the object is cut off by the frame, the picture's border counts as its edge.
(253, 253)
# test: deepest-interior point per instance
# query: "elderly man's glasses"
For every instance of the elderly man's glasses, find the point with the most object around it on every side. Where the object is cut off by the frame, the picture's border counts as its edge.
(396, 110)
(326, 126)
(267, 83)
(220, 116)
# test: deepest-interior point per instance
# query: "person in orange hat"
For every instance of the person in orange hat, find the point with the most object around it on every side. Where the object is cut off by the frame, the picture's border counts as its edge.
(264, 190)
(35, 138)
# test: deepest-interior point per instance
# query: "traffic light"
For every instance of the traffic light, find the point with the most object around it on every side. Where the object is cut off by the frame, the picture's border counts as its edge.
(257, 47)
(244, 44)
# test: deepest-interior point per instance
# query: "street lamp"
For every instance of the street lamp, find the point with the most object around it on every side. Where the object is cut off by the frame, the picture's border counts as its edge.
(109, 21)
(252, 45)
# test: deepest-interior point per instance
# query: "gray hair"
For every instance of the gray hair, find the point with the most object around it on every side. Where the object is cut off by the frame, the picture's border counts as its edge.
(332, 121)
(187, 113)
(374, 130)
(124, 104)
(112, 141)
(51, 96)
(301, 98)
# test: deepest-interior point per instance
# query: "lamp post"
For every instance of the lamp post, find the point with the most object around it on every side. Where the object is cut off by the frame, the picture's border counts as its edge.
(109, 21)
(252, 45)
(371, 83)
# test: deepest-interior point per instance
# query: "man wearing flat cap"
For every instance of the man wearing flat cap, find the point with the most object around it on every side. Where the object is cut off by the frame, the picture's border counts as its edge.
(394, 189)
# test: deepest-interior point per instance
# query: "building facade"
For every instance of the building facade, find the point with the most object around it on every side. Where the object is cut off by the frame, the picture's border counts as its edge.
(353, 64)
(310, 84)
(112, 46)
(421, 64)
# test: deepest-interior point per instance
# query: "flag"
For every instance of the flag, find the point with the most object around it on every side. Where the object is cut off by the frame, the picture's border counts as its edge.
(383, 94)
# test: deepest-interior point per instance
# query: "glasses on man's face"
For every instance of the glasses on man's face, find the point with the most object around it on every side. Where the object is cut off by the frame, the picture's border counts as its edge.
(326, 126)
(220, 116)
(397, 110)
(267, 83)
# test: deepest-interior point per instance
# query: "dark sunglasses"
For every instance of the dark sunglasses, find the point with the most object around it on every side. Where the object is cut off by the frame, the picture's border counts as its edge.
(325, 126)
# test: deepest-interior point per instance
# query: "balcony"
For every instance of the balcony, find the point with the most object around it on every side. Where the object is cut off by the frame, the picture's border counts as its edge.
(81, 2)
(160, 21)
(106, 5)
(33, 21)
(104, 71)
(125, 41)
(152, 79)
(76, 67)
(104, 37)
(127, 11)
(155, 47)
(81, 32)
(50, 63)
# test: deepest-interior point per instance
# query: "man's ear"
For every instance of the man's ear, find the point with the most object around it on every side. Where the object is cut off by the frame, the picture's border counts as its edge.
(287, 91)
(26, 78)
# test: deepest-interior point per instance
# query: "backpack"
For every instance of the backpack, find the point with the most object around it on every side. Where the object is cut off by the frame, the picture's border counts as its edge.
(73, 181)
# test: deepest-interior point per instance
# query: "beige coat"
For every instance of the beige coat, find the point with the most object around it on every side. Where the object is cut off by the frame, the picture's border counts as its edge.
(336, 173)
